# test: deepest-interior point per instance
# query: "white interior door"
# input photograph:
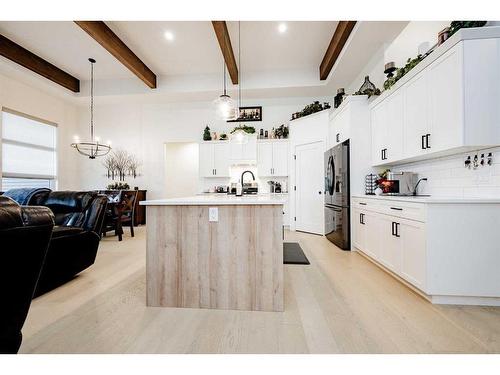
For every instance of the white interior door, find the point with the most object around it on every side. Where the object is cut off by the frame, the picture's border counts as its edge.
(309, 200)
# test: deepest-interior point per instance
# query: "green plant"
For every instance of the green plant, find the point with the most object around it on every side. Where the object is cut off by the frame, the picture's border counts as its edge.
(245, 128)
(206, 134)
(118, 186)
(400, 72)
(457, 25)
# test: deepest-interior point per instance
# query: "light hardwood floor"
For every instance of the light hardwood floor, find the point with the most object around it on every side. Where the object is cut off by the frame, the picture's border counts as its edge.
(341, 303)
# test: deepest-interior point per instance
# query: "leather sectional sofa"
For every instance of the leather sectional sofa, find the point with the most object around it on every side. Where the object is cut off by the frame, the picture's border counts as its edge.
(25, 233)
(78, 217)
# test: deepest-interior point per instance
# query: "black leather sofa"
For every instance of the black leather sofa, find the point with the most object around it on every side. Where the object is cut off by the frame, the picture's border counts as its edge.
(75, 239)
(24, 237)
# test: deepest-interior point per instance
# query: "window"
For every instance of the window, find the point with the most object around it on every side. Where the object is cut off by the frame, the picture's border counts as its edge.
(28, 151)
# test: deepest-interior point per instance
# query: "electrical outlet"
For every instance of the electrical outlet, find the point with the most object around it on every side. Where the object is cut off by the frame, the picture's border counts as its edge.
(213, 214)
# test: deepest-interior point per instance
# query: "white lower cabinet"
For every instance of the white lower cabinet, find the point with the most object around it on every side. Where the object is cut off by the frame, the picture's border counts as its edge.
(413, 253)
(446, 248)
(393, 241)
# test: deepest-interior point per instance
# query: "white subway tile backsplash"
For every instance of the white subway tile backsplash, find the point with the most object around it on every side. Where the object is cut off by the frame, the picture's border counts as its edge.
(448, 176)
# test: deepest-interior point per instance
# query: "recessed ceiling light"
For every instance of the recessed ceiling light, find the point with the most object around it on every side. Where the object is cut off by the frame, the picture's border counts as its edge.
(169, 36)
(282, 27)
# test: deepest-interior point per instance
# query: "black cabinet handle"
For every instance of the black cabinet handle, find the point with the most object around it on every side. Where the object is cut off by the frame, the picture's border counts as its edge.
(362, 219)
(395, 229)
(338, 137)
(382, 152)
(423, 142)
(319, 192)
(363, 204)
(396, 208)
(215, 171)
(427, 144)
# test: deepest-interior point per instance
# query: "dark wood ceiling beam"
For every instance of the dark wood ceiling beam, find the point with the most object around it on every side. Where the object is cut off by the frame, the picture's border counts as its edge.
(35, 63)
(103, 35)
(340, 36)
(220, 28)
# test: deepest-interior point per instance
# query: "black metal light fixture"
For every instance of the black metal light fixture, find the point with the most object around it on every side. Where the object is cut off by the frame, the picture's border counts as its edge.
(92, 148)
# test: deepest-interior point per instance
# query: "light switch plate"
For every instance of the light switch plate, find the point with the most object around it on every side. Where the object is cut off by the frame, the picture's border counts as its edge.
(213, 214)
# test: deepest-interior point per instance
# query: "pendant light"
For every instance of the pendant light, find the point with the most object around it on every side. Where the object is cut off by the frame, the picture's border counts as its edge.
(224, 104)
(91, 148)
(239, 136)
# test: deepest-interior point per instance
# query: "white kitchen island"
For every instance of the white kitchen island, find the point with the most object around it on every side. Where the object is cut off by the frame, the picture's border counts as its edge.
(217, 252)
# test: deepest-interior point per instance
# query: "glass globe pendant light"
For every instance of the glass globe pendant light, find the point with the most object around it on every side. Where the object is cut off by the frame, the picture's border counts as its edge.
(91, 148)
(224, 104)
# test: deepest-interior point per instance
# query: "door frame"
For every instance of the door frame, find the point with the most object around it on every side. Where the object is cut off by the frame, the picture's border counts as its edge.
(295, 146)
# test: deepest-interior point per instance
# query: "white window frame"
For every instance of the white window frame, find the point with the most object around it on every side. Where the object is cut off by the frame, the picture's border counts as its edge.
(53, 180)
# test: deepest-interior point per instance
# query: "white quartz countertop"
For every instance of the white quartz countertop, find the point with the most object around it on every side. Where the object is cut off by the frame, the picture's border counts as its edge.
(430, 199)
(218, 200)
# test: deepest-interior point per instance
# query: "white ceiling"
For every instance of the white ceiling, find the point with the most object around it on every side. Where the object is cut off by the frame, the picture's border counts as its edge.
(272, 62)
(65, 45)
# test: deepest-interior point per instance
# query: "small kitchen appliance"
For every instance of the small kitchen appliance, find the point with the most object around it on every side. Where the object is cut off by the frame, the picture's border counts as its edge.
(400, 183)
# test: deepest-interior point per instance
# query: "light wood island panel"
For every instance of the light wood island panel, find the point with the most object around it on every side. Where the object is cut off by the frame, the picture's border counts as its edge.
(235, 263)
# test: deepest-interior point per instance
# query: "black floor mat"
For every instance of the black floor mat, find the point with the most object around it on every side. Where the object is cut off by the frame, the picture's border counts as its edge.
(293, 254)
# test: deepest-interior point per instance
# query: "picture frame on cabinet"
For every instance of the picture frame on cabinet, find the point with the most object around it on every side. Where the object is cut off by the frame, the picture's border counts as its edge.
(249, 114)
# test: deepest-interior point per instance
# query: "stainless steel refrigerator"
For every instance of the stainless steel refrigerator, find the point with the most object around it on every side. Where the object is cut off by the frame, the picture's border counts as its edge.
(337, 196)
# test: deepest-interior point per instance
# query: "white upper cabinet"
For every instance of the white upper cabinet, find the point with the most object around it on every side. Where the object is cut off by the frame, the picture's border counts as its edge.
(416, 120)
(244, 152)
(394, 118)
(446, 94)
(206, 164)
(221, 159)
(280, 159)
(272, 158)
(265, 158)
(447, 104)
(379, 124)
(214, 159)
(339, 126)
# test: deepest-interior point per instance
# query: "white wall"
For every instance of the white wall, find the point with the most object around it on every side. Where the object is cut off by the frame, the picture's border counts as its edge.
(32, 101)
(144, 128)
(181, 169)
(404, 46)
(448, 176)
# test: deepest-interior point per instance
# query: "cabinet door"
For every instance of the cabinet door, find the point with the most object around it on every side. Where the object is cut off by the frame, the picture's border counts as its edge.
(390, 254)
(265, 158)
(394, 131)
(342, 121)
(416, 116)
(372, 244)
(222, 159)
(413, 253)
(206, 160)
(280, 159)
(446, 100)
(379, 132)
(358, 230)
(249, 149)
